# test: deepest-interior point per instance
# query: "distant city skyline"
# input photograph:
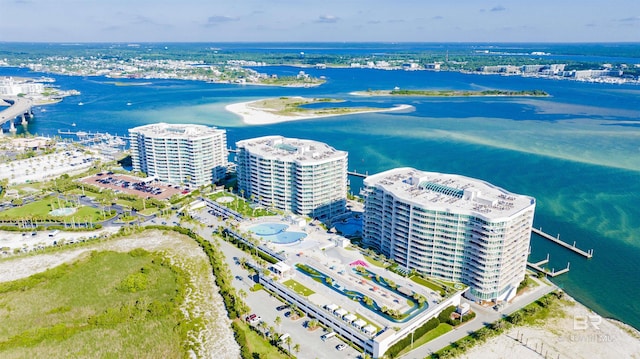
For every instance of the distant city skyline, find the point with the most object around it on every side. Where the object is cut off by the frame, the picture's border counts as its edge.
(319, 21)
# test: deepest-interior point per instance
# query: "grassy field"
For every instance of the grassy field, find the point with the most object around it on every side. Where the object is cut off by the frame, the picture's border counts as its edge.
(40, 209)
(123, 305)
(441, 329)
(298, 288)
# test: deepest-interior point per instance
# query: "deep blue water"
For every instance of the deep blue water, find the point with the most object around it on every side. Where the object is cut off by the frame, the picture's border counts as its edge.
(577, 152)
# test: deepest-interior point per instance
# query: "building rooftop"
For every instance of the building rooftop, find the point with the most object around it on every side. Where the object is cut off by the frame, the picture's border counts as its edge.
(166, 130)
(450, 192)
(291, 149)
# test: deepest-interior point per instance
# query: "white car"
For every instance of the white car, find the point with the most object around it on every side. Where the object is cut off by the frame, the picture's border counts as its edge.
(341, 347)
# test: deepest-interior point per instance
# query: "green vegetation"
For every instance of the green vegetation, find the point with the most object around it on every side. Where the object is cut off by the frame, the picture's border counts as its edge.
(39, 211)
(241, 206)
(292, 106)
(375, 262)
(292, 81)
(533, 314)
(441, 329)
(298, 288)
(461, 93)
(130, 301)
(394, 350)
(252, 344)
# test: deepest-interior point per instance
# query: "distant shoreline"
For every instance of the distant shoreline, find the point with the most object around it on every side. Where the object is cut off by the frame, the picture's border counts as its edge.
(451, 93)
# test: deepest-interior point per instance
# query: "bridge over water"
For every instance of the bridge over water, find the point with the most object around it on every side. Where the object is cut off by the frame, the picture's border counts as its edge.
(19, 109)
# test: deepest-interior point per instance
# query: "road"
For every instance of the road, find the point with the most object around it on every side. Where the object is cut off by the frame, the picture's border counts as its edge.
(261, 303)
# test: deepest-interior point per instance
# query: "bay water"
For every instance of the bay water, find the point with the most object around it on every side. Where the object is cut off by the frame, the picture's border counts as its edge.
(577, 151)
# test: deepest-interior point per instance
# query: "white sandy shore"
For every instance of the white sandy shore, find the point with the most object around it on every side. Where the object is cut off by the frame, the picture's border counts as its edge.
(580, 334)
(260, 116)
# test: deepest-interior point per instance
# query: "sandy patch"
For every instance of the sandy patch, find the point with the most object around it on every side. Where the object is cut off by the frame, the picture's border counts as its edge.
(580, 334)
(252, 115)
(225, 199)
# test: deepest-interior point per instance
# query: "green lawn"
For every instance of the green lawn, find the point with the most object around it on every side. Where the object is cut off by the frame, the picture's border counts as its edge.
(106, 305)
(298, 288)
(149, 211)
(241, 206)
(441, 329)
(40, 210)
(375, 262)
(427, 283)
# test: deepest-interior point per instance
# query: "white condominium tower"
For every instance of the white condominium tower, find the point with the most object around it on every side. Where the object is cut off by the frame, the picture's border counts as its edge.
(450, 227)
(193, 155)
(302, 176)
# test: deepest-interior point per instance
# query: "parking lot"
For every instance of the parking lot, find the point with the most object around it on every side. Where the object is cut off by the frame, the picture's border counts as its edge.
(266, 306)
(132, 185)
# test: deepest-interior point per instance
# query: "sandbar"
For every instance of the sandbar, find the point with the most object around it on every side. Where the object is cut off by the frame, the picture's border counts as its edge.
(254, 115)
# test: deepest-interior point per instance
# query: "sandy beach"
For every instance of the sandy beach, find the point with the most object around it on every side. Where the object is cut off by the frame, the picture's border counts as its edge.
(252, 115)
(578, 333)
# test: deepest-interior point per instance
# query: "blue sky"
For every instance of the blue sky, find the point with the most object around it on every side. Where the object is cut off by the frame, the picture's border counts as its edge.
(319, 20)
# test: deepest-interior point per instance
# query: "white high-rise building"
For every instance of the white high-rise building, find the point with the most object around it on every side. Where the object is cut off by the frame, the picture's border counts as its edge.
(192, 155)
(302, 176)
(450, 227)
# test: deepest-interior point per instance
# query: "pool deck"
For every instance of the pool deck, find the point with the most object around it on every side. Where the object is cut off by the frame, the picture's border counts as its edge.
(319, 251)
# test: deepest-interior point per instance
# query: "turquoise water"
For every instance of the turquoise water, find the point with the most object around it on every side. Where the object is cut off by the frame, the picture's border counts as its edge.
(577, 152)
(62, 212)
(276, 233)
(268, 229)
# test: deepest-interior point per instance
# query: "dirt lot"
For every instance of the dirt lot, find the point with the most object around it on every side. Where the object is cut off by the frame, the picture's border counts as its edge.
(132, 185)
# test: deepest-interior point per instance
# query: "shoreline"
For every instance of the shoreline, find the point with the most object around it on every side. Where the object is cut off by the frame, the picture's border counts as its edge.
(263, 116)
(388, 93)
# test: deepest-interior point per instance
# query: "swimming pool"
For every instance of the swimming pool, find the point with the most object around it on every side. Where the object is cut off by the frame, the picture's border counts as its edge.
(276, 233)
(350, 227)
(62, 212)
(268, 229)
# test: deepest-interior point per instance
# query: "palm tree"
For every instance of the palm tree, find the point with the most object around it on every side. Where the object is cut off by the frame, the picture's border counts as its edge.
(288, 342)
(278, 321)
(296, 348)
(262, 326)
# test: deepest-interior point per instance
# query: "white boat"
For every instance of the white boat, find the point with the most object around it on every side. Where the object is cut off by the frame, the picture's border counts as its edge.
(73, 124)
(80, 103)
(128, 103)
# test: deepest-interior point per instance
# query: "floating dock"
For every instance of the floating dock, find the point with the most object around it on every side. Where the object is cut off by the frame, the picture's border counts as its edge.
(587, 254)
(538, 267)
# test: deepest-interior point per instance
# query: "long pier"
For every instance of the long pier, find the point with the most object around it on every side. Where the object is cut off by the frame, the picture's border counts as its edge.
(587, 254)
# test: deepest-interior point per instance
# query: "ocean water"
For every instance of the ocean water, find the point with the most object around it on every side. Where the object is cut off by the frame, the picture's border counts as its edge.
(577, 151)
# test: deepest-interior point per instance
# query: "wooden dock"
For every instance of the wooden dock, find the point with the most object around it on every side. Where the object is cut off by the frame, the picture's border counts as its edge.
(538, 267)
(587, 254)
(356, 174)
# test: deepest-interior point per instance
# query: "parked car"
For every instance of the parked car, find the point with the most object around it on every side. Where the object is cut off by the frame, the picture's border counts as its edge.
(282, 307)
(341, 346)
